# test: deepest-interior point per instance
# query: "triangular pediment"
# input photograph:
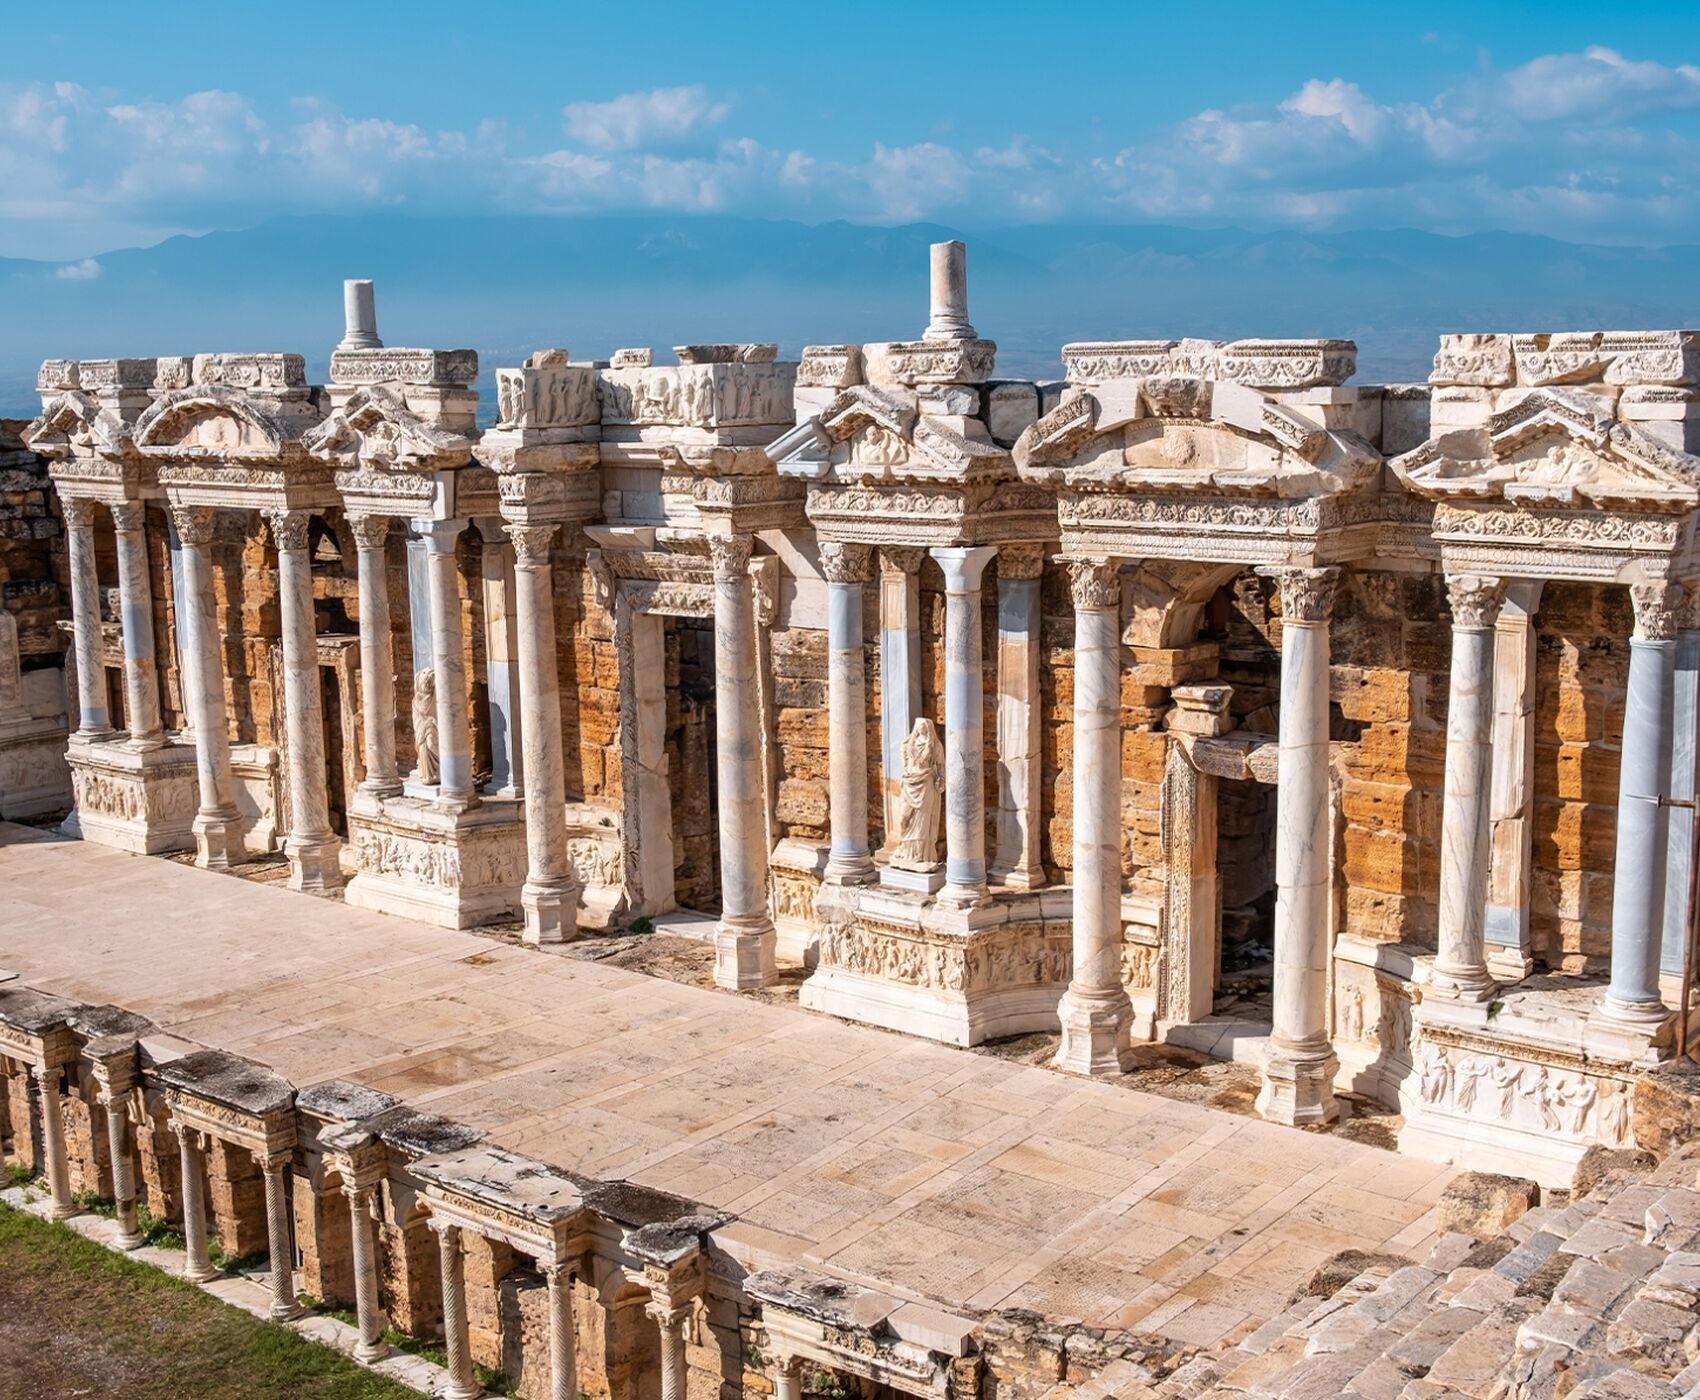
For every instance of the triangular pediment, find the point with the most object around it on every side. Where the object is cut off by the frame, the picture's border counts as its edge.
(73, 423)
(866, 433)
(209, 420)
(375, 429)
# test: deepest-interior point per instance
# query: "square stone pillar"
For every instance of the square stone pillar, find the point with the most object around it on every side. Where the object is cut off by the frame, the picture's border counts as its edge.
(1684, 787)
(501, 656)
(1016, 863)
(900, 671)
(1511, 827)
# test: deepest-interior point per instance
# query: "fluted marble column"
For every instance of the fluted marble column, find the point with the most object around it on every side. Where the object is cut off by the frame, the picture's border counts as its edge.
(115, 1105)
(744, 938)
(462, 1383)
(197, 1266)
(218, 838)
(563, 1356)
(672, 1324)
(964, 726)
(371, 1346)
(1460, 966)
(58, 1171)
(1096, 1013)
(94, 716)
(1298, 1074)
(551, 892)
(312, 847)
(455, 787)
(377, 656)
(135, 602)
(279, 1242)
(1643, 822)
(1016, 862)
(900, 670)
(846, 567)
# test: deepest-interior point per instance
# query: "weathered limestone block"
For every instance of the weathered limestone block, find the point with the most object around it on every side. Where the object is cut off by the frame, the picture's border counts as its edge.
(488, 1263)
(1665, 1110)
(20, 1113)
(323, 1236)
(410, 1281)
(160, 1181)
(524, 1301)
(236, 1191)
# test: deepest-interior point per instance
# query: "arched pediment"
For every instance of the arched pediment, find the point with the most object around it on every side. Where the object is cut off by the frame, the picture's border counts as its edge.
(209, 420)
(376, 429)
(73, 423)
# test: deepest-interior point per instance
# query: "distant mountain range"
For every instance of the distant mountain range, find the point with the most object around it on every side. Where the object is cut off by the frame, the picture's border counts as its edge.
(507, 285)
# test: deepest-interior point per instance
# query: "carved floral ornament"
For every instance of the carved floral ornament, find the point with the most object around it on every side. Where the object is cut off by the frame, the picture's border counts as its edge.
(1475, 600)
(532, 544)
(1658, 610)
(1095, 583)
(376, 429)
(841, 562)
(731, 556)
(218, 422)
(1307, 595)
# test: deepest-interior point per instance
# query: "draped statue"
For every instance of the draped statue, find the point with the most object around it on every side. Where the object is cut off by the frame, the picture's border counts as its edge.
(425, 725)
(922, 794)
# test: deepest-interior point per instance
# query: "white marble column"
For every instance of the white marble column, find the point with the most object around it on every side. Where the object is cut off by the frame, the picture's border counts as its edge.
(846, 567)
(1095, 1012)
(501, 662)
(1460, 966)
(744, 938)
(115, 1105)
(455, 787)
(94, 718)
(900, 671)
(964, 726)
(312, 847)
(949, 293)
(550, 894)
(197, 1266)
(563, 1355)
(377, 656)
(135, 602)
(671, 1321)
(371, 1346)
(1511, 858)
(787, 1377)
(279, 1241)
(1684, 784)
(462, 1383)
(1016, 862)
(58, 1166)
(1298, 1074)
(218, 837)
(1643, 822)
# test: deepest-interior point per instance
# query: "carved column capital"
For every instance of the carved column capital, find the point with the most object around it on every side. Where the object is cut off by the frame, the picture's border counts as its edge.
(78, 512)
(370, 531)
(1475, 600)
(194, 525)
(556, 1270)
(532, 544)
(446, 1231)
(731, 555)
(288, 527)
(1658, 610)
(1095, 583)
(128, 515)
(1307, 595)
(842, 562)
(901, 558)
(1021, 561)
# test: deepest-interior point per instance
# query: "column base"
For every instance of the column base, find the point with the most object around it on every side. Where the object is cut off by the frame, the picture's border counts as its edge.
(367, 1355)
(1473, 986)
(64, 1212)
(455, 1392)
(1508, 966)
(551, 913)
(218, 840)
(1097, 1031)
(205, 1275)
(850, 870)
(1298, 1085)
(315, 864)
(743, 955)
(963, 896)
(289, 1314)
(1642, 1016)
(1016, 878)
(131, 1241)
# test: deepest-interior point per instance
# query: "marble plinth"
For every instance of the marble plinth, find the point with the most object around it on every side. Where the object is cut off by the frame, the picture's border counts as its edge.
(139, 801)
(34, 778)
(455, 869)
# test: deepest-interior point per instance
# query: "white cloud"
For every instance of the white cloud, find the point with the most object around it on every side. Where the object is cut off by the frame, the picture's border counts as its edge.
(84, 271)
(639, 119)
(1598, 82)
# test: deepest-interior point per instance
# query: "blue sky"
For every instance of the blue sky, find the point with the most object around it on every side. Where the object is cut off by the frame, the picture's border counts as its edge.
(122, 124)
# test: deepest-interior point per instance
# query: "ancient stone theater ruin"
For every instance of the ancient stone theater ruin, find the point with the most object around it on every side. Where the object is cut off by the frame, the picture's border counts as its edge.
(1201, 699)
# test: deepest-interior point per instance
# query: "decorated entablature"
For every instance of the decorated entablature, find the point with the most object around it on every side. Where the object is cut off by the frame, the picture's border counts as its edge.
(87, 427)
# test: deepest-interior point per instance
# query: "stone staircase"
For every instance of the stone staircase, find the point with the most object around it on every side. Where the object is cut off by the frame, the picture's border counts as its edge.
(1598, 1298)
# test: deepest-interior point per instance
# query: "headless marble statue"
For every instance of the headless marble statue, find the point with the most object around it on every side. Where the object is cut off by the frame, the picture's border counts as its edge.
(425, 725)
(922, 794)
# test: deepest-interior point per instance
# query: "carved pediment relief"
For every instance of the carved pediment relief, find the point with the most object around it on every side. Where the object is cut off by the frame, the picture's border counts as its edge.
(866, 433)
(1553, 449)
(375, 429)
(73, 424)
(209, 420)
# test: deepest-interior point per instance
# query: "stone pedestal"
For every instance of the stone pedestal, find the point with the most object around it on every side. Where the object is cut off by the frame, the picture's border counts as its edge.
(143, 801)
(453, 868)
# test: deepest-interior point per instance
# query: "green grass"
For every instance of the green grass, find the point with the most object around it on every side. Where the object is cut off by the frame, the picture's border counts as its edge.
(75, 1318)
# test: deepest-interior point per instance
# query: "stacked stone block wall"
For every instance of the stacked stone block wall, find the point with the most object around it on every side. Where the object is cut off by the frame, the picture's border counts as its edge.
(34, 578)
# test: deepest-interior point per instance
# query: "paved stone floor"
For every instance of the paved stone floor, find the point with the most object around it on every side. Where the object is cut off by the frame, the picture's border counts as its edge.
(925, 1171)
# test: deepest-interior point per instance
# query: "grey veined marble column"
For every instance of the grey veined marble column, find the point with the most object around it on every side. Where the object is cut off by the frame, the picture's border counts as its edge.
(1643, 822)
(501, 662)
(135, 601)
(1298, 1075)
(846, 567)
(964, 726)
(94, 716)
(1460, 966)
(550, 894)
(1095, 1011)
(744, 938)
(218, 836)
(455, 787)
(377, 655)
(312, 846)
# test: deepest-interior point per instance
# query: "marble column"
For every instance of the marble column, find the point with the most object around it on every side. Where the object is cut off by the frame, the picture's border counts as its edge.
(501, 662)
(900, 670)
(197, 1266)
(58, 1166)
(787, 1377)
(135, 602)
(1684, 787)
(550, 894)
(1460, 966)
(95, 719)
(115, 1105)
(371, 1346)
(563, 1356)
(462, 1383)
(671, 1321)
(964, 726)
(1095, 1012)
(949, 293)
(744, 938)
(1298, 1073)
(377, 656)
(455, 787)
(279, 1241)
(1016, 862)
(1643, 821)
(1511, 858)
(846, 567)
(218, 836)
(312, 847)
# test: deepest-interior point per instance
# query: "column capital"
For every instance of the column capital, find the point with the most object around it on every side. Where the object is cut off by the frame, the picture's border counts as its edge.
(1021, 561)
(532, 544)
(289, 528)
(446, 1231)
(668, 1314)
(128, 515)
(45, 1075)
(557, 1270)
(963, 565)
(1658, 607)
(1307, 595)
(1475, 600)
(439, 535)
(900, 559)
(731, 556)
(843, 562)
(189, 1136)
(1095, 583)
(194, 525)
(78, 511)
(370, 531)
(274, 1162)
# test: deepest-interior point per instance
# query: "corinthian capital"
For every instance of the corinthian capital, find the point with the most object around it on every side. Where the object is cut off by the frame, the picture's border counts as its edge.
(1095, 583)
(79, 512)
(901, 558)
(1658, 605)
(532, 544)
(1307, 595)
(288, 527)
(731, 555)
(1024, 561)
(1475, 600)
(842, 562)
(128, 515)
(370, 531)
(194, 525)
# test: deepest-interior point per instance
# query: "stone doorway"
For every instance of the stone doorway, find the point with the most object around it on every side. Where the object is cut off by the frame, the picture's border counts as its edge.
(691, 764)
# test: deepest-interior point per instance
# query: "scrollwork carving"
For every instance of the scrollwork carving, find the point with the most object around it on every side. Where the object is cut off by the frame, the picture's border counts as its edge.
(370, 531)
(532, 544)
(289, 528)
(1475, 600)
(731, 556)
(1658, 610)
(194, 524)
(843, 562)
(1095, 583)
(78, 511)
(1307, 595)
